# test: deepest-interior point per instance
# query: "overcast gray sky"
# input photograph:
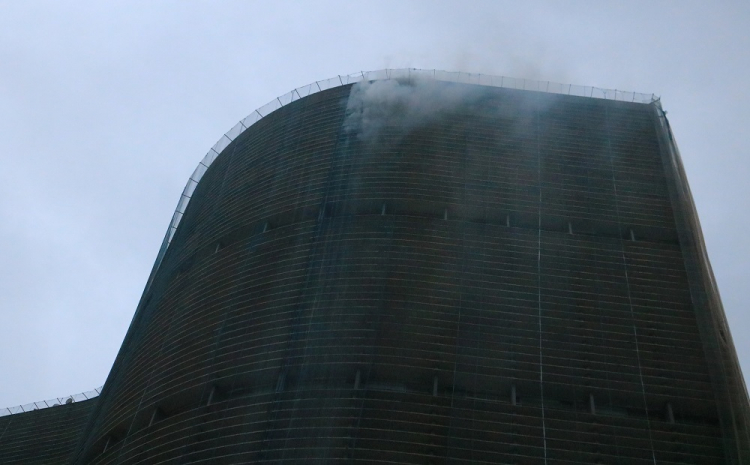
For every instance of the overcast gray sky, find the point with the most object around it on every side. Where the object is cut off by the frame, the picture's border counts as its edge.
(106, 108)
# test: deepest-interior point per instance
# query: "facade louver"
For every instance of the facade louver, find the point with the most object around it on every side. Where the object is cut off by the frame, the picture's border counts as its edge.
(409, 270)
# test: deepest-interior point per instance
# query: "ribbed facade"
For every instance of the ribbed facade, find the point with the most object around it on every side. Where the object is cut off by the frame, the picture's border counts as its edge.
(507, 277)
(43, 437)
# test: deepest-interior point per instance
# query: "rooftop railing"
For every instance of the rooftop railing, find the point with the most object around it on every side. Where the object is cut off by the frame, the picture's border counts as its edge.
(42, 404)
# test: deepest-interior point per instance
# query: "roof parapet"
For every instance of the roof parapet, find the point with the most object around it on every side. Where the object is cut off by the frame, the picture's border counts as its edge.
(42, 404)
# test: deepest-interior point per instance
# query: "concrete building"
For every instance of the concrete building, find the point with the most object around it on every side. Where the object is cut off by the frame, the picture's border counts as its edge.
(424, 267)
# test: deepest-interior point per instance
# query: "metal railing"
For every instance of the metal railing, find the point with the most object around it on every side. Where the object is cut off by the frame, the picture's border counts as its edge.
(42, 404)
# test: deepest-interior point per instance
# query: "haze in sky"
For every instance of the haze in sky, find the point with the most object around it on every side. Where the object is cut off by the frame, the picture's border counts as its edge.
(107, 107)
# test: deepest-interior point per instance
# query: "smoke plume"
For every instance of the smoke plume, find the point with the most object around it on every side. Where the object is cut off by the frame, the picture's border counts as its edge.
(403, 105)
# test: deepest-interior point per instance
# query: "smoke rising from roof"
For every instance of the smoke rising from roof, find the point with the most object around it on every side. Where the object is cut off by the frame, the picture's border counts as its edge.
(403, 105)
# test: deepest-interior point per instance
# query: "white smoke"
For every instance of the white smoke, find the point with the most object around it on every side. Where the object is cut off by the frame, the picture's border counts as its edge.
(402, 105)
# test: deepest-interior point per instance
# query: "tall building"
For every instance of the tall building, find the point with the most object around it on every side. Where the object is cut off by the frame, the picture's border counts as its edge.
(425, 267)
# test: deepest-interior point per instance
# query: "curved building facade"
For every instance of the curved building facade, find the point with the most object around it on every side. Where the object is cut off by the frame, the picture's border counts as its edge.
(416, 271)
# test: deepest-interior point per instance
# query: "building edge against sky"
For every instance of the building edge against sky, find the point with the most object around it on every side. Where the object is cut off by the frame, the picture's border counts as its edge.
(715, 333)
(731, 396)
